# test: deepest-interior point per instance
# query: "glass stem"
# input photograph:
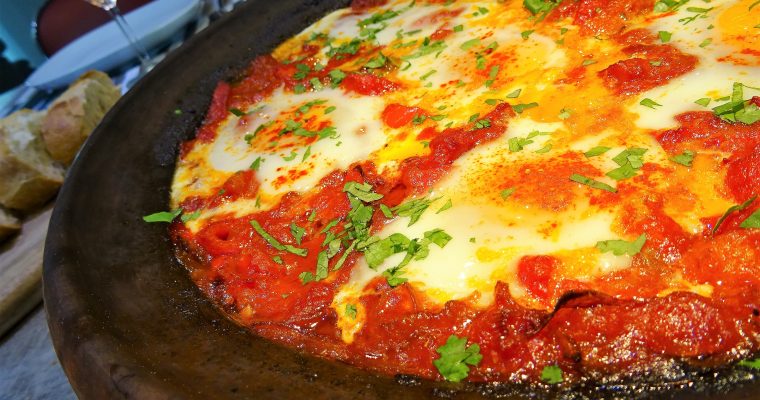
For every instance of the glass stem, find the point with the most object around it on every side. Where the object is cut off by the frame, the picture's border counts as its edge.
(142, 53)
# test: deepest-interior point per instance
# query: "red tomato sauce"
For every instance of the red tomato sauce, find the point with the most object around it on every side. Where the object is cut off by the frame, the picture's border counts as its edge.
(587, 332)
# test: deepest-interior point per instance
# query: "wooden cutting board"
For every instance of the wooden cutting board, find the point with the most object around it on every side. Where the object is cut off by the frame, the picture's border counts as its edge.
(21, 269)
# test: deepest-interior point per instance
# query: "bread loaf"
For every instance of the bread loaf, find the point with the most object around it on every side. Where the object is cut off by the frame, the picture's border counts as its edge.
(73, 116)
(29, 177)
(8, 224)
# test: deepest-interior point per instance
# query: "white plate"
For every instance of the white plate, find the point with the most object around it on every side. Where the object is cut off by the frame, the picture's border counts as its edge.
(106, 47)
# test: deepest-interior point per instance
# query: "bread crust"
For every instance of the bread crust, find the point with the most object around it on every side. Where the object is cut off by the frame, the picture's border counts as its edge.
(75, 114)
(28, 176)
(8, 224)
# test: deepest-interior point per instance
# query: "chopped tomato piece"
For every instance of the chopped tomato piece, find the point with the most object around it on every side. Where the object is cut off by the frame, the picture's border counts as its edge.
(397, 115)
(368, 84)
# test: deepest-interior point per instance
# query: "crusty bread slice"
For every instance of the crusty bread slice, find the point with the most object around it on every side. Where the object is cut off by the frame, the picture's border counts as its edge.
(8, 224)
(73, 116)
(28, 176)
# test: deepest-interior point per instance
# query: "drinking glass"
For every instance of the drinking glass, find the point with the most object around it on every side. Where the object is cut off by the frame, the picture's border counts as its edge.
(110, 7)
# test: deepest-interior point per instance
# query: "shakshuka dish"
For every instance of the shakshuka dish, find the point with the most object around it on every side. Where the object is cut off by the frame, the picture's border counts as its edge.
(514, 191)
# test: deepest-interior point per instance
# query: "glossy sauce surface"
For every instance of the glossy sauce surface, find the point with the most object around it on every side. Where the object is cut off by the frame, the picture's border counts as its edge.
(483, 113)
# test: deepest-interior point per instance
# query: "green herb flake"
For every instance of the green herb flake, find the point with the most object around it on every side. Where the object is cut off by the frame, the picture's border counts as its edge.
(506, 193)
(752, 222)
(564, 114)
(386, 211)
(350, 311)
(620, 247)
(684, 158)
(664, 36)
(456, 357)
(297, 232)
(336, 77)
(163, 216)
(588, 62)
(469, 44)
(592, 183)
(731, 210)
(190, 217)
(552, 374)
(458, 28)
(291, 157)
(519, 108)
(445, 207)
(362, 191)
(329, 109)
(274, 242)
(704, 102)
(596, 151)
(705, 43)
(647, 102)
(376, 62)
(526, 34)
(514, 94)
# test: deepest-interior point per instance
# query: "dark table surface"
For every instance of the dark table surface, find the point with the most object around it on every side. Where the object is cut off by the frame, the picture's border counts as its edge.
(29, 368)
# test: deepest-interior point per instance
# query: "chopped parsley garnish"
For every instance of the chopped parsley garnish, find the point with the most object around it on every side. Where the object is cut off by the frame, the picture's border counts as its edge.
(647, 102)
(456, 357)
(307, 106)
(526, 34)
(506, 193)
(297, 232)
(237, 112)
(564, 113)
(386, 211)
(737, 109)
(445, 207)
(413, 209)
(376, 62)
(351, 47)
(731, 210)
(519, 108)
(704, 102)
(684, 158)
(350, 311)
(552, 374)
(596, 151)
(592, 183)
(190, 217)
(620, 247)
(362, 191)
(163, 216)
(705, 43)
(275, 243)
(427, 47)
(469, 44)
(302, 71)
(482, 123)
(298, 89)
(291, 157)
(458, 28)
(336, 76)
(329, 109)
(664, 36)
(668, 5)
(752, 222)
(517, 143)
(514, 94)
(306, 154)
(588, 62)
(630, 161)
(427, 74)
(754, 364)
